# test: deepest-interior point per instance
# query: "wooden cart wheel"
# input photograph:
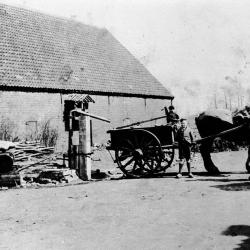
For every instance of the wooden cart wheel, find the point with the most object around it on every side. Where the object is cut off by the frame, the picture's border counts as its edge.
(168, 157)
(140, 154)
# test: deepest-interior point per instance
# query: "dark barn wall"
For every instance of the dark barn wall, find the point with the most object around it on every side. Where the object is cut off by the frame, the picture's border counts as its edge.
(122, 111)
(21, 109)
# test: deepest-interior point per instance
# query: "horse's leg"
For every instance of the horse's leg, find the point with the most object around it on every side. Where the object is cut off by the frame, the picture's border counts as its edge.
(205, 150)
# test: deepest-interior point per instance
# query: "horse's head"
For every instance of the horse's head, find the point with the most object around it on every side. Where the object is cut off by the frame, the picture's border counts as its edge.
(241, 116)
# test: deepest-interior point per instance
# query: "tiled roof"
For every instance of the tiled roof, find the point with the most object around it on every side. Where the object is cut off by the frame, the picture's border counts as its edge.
(39, 52)
(79, 98)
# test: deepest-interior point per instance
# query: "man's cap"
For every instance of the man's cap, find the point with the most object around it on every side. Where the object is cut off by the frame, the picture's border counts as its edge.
(183, 119)
(171, 107)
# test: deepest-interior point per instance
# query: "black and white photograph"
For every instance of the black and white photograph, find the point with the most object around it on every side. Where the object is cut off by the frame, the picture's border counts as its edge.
(124, 124)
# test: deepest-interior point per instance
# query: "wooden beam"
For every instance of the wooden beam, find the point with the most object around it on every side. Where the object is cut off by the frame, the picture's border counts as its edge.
(141, 122)
(220, 134)
(90, 115)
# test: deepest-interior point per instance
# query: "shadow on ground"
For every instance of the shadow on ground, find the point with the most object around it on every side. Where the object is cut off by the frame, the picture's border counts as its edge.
(196, 174)
(233, 184)
(216, 177)
(240, 186)
(239, 230)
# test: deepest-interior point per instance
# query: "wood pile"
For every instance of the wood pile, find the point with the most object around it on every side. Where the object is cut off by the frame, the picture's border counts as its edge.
(26, 151)
(36, 164)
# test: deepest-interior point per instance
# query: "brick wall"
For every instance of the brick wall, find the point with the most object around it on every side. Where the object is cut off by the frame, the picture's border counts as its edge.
(25, 109)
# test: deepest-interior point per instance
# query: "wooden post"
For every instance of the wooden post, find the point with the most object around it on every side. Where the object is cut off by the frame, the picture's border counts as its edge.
(91, 133)
(84, 148)
(70, 143)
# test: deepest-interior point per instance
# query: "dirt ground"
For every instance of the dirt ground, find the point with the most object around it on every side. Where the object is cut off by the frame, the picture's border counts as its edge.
(155, 213)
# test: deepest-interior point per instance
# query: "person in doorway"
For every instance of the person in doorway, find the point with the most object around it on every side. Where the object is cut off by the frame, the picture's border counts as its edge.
(185, 139)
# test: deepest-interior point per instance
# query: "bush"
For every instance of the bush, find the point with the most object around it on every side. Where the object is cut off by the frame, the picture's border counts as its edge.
(47, 134)
(7, 129)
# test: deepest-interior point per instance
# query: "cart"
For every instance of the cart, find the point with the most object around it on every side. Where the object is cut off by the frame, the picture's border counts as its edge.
(142, 151)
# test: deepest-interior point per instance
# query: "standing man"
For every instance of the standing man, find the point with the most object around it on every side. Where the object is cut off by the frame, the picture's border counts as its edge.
(185, 138)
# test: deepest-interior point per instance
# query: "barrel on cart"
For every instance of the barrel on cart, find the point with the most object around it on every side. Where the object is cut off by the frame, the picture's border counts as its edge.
(143, 151)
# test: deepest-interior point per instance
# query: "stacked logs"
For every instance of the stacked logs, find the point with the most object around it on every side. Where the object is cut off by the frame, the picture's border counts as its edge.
(26, 151)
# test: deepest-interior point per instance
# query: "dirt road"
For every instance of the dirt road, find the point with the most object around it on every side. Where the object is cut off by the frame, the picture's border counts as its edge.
(158, 213)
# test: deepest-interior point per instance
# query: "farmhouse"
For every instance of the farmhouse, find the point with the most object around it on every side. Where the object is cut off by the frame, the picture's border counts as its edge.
(43, 59)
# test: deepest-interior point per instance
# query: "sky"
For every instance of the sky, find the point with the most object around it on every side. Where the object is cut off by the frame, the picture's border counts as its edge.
(193, 47)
